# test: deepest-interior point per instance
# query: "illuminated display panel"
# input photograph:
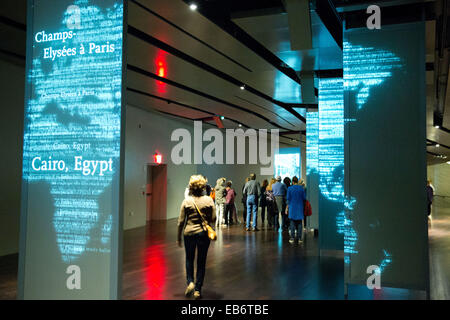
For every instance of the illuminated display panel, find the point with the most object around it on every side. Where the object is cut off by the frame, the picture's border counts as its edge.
(312, 166)
(312, 142)
(364, 69)
(287, 163)
(331, 163)
(385, 220)
(72, 145)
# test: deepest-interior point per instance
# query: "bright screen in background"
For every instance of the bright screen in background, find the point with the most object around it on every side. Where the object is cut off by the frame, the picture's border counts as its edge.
(287, 165)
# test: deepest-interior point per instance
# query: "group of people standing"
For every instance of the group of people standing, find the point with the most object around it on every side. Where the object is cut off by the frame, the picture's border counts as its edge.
(279, 199)
(224, 195)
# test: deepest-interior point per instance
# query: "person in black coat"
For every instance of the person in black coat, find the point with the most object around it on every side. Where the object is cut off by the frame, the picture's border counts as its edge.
(262, 200)
(430, 194)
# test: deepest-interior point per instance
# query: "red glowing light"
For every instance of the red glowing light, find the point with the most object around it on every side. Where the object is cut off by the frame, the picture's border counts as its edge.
(161, 70)
(157, 158)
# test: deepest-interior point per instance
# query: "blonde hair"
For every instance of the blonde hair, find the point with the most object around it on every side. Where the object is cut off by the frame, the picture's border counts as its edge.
(220, 182)
(197, 183)
(272, 181)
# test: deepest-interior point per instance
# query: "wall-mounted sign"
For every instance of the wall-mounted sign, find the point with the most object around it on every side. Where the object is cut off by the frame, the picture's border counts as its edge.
(70, 223)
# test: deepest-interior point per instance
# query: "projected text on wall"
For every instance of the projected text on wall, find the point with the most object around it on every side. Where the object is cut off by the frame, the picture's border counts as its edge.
(365, 68)
(312, 142)
(73, 120)
(331, 162)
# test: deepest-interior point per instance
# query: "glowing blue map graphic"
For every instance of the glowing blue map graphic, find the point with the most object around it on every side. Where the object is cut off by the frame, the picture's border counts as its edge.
(73, 122)
(312, 142)
(364, 68)
(331, 161)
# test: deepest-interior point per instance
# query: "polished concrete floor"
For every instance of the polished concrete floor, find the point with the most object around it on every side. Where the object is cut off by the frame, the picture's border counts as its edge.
(240, 265)
(439, 244)
(252, 265)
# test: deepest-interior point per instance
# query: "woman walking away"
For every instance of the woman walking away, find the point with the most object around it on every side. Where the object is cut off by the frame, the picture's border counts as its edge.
(271, 205)
(262, 201)
(195, 235)
(296, 199)
(220, 200)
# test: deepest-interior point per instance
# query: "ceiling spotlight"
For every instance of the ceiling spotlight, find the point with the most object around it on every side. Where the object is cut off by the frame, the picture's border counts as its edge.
(193, 6)
(437, 145)
(242, 87)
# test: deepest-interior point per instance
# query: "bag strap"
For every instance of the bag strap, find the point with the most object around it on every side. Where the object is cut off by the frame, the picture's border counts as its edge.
(199, 213)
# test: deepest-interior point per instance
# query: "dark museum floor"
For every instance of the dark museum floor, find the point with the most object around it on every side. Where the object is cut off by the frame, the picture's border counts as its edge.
(252, 265)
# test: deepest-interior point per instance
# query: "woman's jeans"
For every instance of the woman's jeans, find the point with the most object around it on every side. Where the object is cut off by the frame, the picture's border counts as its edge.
(296, 225)
(201, 242)
(220, 210)
(252, 208)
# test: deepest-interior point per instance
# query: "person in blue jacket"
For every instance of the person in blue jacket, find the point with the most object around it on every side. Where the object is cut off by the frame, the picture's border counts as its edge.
(296, 197)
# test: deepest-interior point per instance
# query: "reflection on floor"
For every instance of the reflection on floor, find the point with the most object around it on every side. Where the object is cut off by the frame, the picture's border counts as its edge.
(439, 241)
(8, 277)
(241, 265)
(252, 265)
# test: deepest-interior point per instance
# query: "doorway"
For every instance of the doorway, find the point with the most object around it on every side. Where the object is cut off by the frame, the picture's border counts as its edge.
(156, 192)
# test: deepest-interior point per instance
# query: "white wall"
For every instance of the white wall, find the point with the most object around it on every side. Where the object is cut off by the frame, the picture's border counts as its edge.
(236, 173)
(148, 132)
(12, 85)
(154, 135)
(140, 146)
(439, 175)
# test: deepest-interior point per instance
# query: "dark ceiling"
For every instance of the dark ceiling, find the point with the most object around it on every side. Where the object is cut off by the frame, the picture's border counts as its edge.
(192, 64)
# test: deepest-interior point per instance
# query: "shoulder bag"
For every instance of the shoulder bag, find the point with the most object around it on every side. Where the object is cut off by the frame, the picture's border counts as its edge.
(211, 233)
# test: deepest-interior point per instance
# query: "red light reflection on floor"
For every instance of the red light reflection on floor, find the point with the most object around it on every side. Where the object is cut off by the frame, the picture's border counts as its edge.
(155, 272)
